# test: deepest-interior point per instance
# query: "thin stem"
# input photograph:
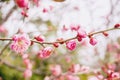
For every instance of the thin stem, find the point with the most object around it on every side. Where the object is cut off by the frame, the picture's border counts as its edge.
(102, 31)
(90, 34)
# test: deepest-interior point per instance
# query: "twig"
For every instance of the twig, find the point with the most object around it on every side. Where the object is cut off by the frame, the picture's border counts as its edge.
(90, 34)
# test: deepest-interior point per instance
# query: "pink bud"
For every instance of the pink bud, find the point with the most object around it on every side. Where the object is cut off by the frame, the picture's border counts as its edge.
(93, 41)
(27, 73)
(24, 14)
(22, 3)
(45, 10)
(81, 34)
(117, 26)
(45, 53)
(64, 28)
(71, 45)
(105, 34)
(56, 45)
(40, 38)
(75, 28)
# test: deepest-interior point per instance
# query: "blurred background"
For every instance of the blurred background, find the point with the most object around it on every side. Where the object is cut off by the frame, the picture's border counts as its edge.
(50, 18)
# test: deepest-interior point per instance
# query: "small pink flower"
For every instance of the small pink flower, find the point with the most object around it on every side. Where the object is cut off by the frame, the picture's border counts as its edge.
(27, 73)
(56, 70)
(45, 53)
(81, 34)
(75, 28)
(20, 43)
(22, 3)
(71, 45)
(93, 41)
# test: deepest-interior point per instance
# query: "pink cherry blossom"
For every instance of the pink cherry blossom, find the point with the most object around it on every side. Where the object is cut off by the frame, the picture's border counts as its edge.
(71, 45)
(20, 43)
(81, 34)
(22, 3)
(74, 28)
(27, 73)
(45, 53)
(56, 70)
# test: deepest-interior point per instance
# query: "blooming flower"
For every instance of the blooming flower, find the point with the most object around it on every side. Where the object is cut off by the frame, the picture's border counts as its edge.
(81, 34)
(71, 45)
(20, 43)
(45, 53)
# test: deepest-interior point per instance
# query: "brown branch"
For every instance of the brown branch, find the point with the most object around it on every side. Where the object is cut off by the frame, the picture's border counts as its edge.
(90, 34)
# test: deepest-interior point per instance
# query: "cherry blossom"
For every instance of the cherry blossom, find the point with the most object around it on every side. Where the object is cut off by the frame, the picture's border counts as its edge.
(45, 52)
(21, 43)
(71, 45)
